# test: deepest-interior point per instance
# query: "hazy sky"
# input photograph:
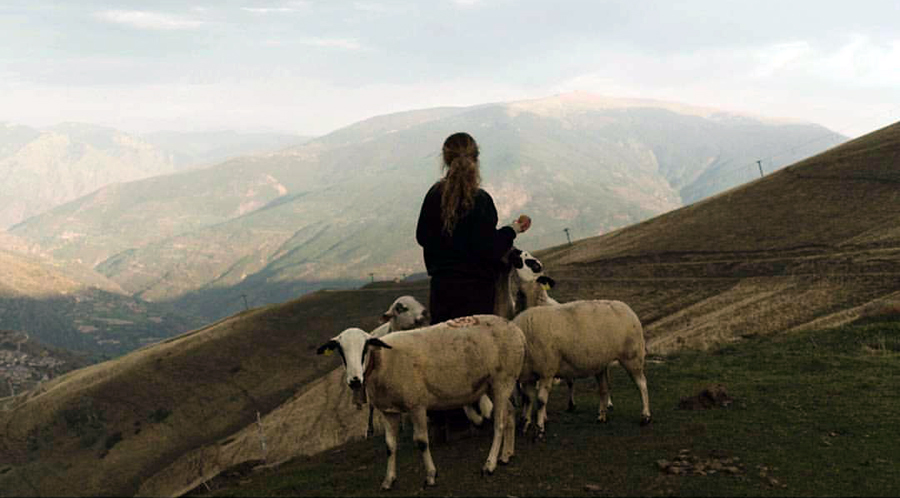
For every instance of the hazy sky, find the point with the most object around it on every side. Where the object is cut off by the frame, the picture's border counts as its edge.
(312, 66)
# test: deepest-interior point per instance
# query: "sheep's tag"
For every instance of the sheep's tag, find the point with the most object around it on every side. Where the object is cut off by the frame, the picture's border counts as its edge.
(328, 352)
(546, 287)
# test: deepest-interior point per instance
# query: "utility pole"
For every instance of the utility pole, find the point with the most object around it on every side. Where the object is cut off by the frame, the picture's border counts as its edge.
(246, 306)
(567, 235)
(759, 163)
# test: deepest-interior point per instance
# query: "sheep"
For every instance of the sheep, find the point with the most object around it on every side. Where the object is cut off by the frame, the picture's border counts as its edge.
(532, 288)
(578, 339)
(404, 313)
(444, 366)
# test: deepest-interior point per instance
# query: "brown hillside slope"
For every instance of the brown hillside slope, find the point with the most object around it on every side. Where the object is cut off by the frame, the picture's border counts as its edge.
(106, 429)
(816, 243)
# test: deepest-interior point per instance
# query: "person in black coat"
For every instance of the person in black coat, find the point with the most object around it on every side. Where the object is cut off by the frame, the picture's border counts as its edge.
(458, 232)
(462, 246)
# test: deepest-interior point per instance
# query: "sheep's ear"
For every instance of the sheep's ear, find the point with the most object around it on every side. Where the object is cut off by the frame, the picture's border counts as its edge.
(515, 258)
(328, 347)
(376, 342)
(546, 281)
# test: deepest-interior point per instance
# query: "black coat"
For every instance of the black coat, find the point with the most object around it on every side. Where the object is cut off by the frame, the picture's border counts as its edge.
(463, 266)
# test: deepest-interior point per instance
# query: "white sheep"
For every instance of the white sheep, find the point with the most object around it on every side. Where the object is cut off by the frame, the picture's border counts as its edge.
(405, 313)
(444, 366)
(579, 339)
(531, 286)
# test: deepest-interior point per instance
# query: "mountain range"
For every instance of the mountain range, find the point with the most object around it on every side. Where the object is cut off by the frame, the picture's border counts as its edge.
(341, 209)
(42, 168)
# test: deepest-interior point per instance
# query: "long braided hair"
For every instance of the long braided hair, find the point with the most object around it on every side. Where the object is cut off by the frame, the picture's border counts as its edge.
(461, 181)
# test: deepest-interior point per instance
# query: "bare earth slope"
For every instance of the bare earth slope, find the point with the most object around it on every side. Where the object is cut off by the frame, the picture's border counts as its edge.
(810, 244)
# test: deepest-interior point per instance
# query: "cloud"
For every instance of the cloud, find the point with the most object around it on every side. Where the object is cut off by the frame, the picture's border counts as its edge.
(149, 20)
(863, 62)
(282, 9)
(842, 87)
(371, 7)
(781, 55)
(342, 43)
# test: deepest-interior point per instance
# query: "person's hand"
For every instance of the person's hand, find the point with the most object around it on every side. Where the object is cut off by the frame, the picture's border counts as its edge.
(522, 223)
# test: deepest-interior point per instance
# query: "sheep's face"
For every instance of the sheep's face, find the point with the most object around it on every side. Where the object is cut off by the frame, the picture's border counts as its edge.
(528, 268)
(406, 313)
(353, 345)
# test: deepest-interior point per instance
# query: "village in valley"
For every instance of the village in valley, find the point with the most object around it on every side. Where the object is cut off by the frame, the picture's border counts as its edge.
(23, 366)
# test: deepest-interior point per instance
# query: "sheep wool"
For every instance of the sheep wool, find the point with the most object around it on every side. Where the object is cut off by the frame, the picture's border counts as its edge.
(580, 339)
(444, 366)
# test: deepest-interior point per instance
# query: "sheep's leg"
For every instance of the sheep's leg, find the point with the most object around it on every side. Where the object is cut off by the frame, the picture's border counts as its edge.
(509, 434)
(391, 429)
(609, 403)
(635, 369)
(544, 384)
(499, 393)
(420, 436)
(571, 384)
(603, 389)
(529, 393)
(370, 428)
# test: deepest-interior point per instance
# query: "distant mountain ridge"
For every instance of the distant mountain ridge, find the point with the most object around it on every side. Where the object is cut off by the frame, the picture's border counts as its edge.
(343, 207)
(43, 168)
(74, 307)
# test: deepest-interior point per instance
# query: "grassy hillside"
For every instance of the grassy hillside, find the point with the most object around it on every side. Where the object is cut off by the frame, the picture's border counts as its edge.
(107, 428)
(805, 414)
(807, 246)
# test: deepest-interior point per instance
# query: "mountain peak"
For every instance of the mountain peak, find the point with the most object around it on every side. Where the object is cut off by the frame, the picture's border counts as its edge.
(580, 101)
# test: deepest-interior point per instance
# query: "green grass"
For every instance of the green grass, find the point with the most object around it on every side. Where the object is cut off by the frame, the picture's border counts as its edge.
(813, 414)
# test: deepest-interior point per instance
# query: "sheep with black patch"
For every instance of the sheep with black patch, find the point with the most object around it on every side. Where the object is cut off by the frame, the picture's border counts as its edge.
(580, 339)
(444, 366)
(531, 287)
(405, 313)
